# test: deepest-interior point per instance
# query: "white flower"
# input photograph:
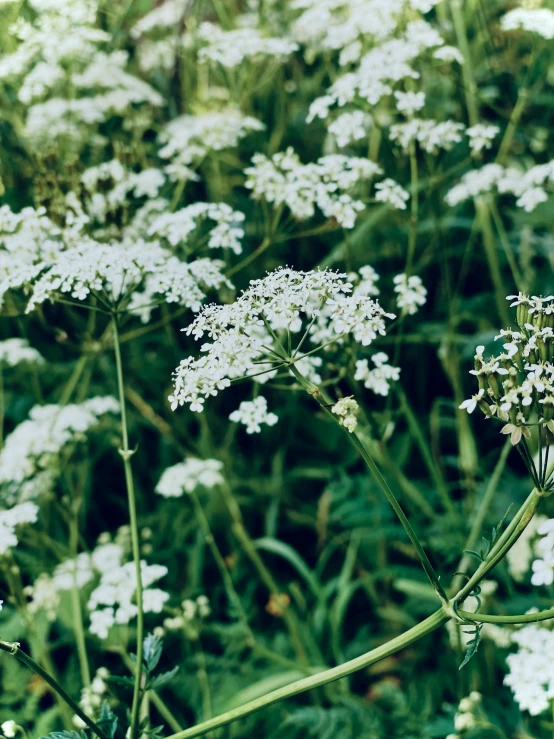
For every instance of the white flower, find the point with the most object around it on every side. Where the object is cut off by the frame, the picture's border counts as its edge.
(13, 351)
(346, 409)
(378, 378)
(225, 234)
(231, 48)
(187, 476)
(536, 20)
(411, 293)
(531, 673)
(471, 404)
(252, 413)
(9, 729)
(409, 103)
(284, 301)
(389, 191)
(481, 136)
(449, 54)
(350, 127)
(11, 519)
(283, 179)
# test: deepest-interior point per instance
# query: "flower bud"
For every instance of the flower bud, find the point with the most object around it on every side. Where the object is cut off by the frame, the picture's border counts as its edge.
(522, 315)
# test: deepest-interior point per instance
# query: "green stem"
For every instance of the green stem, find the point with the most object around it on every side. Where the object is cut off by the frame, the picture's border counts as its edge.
(509, 537)
(481, 514)
(325, 401)
(69, 388)
(13, 648)
(76, 606)
(526, 618)
(126, 455)
(417, 632)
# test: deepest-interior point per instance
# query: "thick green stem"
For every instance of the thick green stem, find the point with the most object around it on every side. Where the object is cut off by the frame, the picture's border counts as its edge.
(13, 648)
(427, 626)
(509, 537)
(325, 401)
(126, 455)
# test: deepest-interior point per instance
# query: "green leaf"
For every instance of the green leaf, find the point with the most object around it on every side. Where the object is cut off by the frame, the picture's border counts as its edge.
(152, 651)
(162, 679)
(108, 720)
(472, 646)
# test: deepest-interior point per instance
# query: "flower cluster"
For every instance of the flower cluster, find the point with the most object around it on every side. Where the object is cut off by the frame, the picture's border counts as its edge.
(30, 461)
(252, 413)
(12, 518)
(176, 227)
(92, 696)
(14, 351)
(536, 20)
(231, 48)
(517, 386)
(411, 293)
(188, 139)
(347, 409)
(187, 476)
(531, 673)
(378, 378)
(528, 187)
(245, 334)
(284, 180)
(543, 567)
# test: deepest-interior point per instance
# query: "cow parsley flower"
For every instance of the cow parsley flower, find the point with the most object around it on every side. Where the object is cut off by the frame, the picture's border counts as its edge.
(430, 134)
(245, 335)
(15, 351)
(346, 409)
(111, 602)
(350, 127)
(409, 103)
(530, 670)
(389, 191)
(252, 413)
(378, 378)
(187, 476)
(232, 48)
(481, 136)
(535, 20)
(176, 227)
(411, 293)
(188, 139)
(284, 180)
(11, 519)
(30, 461)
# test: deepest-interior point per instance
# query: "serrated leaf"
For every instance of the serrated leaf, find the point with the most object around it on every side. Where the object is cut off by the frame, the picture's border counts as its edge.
(66, 735)
(162, 679)
(152, 652)
(472, 647)
(472, 553)
(108, 720)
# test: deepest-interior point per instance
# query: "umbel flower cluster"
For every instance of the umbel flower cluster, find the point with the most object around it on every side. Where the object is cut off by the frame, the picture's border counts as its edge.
(517, 385)
(248, 337)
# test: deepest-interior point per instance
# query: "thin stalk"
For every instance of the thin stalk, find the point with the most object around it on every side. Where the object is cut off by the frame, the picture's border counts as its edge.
(76, 606)
(481, 513)
(203, 680)
(525, 618)
(324, 401)
(18, 653)
(71, 384)
(126, 455)
(417, 632)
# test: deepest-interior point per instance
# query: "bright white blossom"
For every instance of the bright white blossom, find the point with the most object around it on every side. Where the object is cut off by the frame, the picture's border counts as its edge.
(536, 20)
(389, 191)
(231, 48)
(14, 351)
(531, 672)
(350, 127)
(11, 519)
(347, 409)
(411, 293)
(283, 179)
(225, 234)
(285, 300)
(378, 378)
(252, 413)
(481, 136)
(187, 476)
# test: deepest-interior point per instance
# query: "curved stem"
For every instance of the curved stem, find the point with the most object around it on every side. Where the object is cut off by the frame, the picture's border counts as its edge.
(126, 455)
(427, 626)
(13, 648)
